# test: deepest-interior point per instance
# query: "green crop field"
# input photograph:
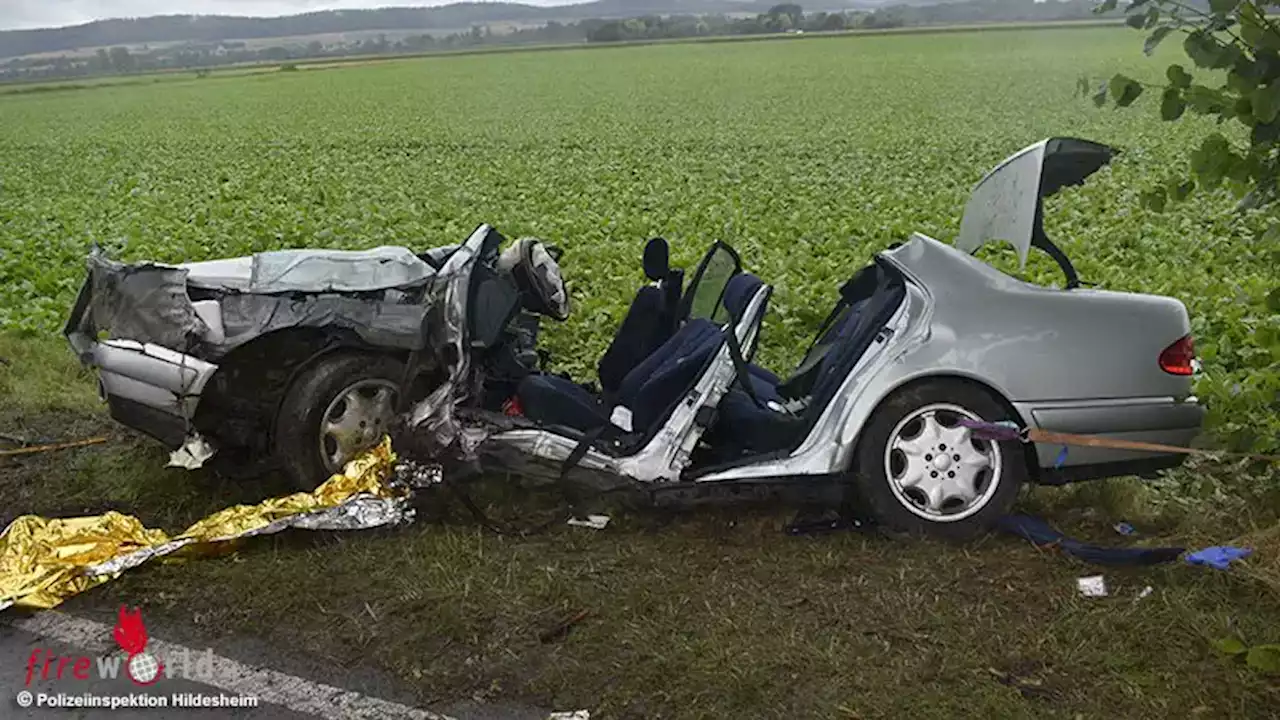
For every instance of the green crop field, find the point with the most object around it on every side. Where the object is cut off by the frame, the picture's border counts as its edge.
(807, 156)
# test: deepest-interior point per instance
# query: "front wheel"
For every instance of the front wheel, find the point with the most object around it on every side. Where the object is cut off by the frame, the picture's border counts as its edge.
(338, 408)
(923, 473)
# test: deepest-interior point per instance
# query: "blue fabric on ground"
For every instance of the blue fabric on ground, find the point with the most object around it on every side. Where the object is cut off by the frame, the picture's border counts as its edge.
(1218, 557)
(1041, 533)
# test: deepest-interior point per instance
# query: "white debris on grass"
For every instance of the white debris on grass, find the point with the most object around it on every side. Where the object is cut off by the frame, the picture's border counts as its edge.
(1093, 586)
(595, 522)
(193, 453)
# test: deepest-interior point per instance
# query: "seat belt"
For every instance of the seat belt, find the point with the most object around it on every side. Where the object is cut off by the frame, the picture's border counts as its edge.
(740, 366)
(575, 456)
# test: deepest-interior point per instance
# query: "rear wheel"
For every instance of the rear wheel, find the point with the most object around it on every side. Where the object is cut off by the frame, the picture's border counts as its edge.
(338, 408)
(922, 472)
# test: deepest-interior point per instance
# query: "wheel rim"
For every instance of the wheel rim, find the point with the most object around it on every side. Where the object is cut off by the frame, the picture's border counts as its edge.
(354, 422)
(937, 469)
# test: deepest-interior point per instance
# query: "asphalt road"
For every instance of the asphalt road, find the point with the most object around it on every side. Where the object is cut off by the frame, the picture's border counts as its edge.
(33, 649)
(17, 647)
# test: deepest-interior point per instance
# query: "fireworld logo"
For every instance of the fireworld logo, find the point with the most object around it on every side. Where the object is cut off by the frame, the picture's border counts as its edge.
(131, 635)
(142, 667)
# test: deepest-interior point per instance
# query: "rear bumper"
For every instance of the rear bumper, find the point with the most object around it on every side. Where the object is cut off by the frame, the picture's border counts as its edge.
(1154, 420)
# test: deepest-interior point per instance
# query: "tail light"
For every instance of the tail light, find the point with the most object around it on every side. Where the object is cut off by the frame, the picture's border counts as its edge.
(1180, 357)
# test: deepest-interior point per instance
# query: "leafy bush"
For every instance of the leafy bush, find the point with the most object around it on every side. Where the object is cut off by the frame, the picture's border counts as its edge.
(1235, 49)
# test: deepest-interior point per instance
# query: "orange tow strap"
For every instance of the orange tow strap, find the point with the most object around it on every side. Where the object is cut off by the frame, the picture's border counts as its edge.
(52, 447)
(1058, 438)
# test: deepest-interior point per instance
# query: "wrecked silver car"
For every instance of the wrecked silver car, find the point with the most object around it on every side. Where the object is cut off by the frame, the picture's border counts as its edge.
(300, 358)
(308, 356)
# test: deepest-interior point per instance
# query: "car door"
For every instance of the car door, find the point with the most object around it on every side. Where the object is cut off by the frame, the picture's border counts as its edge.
(704, 298)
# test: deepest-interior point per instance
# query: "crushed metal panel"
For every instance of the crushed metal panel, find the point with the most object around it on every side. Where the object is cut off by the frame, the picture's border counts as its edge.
(384, 324)
(325, 271)
(144, 302)
(435, 428)
(224, 274)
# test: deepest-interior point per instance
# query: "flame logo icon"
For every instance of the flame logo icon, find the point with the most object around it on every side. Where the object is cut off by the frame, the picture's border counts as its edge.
(131, 636)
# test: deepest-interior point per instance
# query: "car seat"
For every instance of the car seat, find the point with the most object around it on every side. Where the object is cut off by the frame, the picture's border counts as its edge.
(653, 386)
(747, 426)
(650, 321)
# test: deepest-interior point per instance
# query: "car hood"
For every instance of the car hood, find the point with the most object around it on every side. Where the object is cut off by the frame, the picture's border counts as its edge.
(312, 270)
(1007, 204)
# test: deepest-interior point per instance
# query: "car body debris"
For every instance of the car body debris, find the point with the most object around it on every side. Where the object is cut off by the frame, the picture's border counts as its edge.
(595, 522)
(193, 453)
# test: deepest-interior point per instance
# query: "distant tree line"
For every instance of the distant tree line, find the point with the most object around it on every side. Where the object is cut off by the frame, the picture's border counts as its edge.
(781, 18)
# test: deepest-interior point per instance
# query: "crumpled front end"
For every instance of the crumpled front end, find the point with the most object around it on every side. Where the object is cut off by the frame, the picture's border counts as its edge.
(158, 333)
(138, 327)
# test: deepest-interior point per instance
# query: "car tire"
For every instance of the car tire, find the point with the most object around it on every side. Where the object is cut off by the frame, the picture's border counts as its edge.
(342, 404)
(912, 481)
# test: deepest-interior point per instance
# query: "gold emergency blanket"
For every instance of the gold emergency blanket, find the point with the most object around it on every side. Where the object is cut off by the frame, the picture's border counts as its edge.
(45, 561)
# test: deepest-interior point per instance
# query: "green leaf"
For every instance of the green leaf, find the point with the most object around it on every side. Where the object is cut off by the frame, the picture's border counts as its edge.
(1222, 7)
(1154, 199)
(1266, 102)
(1205, 100)
(1106, 6)
(1178, 76)
(1207, 51)
(1240, 171)
(1212, 161)
(1265, 658)
(1154, 39)
(1243, 110)
(1255, 30)
(1153, 17)
(1241, 82)
(1171, 104)
(1136, 20)
(1265, 133)
(1124, 90)
(1273, 301)
(1229, 646)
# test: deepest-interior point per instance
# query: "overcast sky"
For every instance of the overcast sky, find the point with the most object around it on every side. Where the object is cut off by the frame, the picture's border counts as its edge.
(15, 14)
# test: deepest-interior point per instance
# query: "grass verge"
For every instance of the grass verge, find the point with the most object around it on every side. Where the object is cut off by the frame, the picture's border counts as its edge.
(706, 614)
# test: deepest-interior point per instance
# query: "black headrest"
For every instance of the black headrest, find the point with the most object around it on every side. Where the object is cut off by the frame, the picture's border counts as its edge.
(738, 293)
(657, 259)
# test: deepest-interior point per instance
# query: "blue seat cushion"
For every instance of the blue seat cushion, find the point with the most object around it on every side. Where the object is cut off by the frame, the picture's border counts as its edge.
(553, 400)
(744, 426)
(655, 384)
